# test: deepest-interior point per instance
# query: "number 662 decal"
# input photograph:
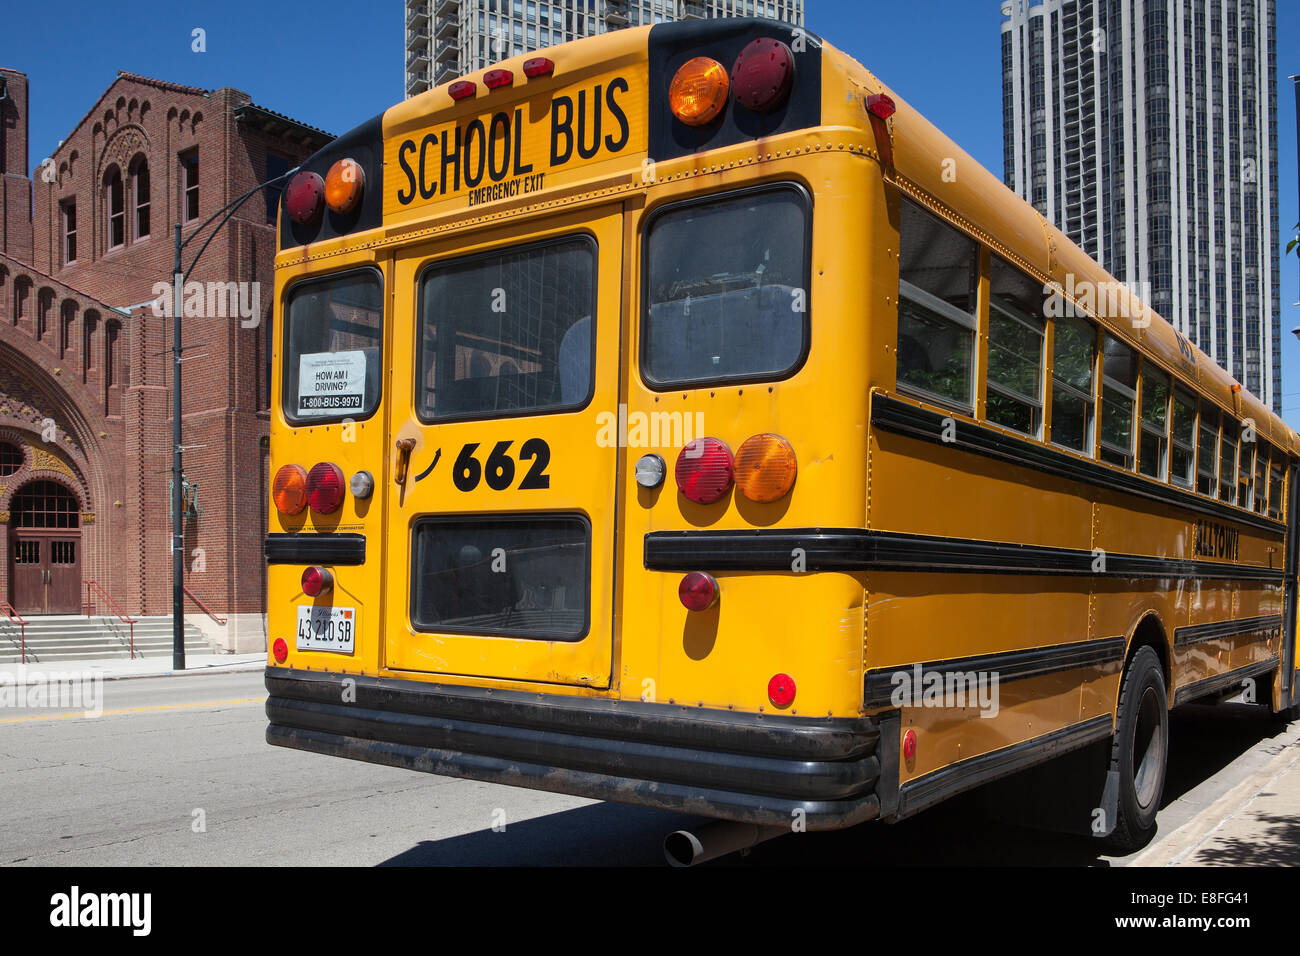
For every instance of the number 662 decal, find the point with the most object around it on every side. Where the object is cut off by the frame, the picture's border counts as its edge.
(498, 469)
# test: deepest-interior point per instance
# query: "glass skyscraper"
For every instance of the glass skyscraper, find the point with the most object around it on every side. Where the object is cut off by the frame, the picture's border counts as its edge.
(1147, 131)
(447, 38)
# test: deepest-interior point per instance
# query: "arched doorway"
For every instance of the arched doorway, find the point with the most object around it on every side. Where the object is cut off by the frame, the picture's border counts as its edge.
(45, 555)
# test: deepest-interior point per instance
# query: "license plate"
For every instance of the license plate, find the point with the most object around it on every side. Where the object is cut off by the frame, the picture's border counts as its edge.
(327, 629)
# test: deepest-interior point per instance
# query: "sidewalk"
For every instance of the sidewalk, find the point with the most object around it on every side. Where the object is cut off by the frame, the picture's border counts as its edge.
(1256, 823)
(142, 666)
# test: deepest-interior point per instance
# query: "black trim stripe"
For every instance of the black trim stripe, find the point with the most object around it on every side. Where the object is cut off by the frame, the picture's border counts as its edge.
(902, 418)
(879, 683)
(849, 549)
(1196, 633)
(1218, 682)
(916, 795)
(315, 548)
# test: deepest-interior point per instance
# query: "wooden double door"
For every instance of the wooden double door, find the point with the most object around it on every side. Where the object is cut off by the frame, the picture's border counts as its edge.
(45, 571)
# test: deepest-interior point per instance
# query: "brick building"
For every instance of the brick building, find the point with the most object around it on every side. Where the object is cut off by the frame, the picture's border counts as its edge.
(85, 363)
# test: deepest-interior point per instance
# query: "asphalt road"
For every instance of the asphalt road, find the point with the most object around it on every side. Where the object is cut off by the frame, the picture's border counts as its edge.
(177, 772)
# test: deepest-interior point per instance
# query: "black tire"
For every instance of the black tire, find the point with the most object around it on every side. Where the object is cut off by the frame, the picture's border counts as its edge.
(1140, 751)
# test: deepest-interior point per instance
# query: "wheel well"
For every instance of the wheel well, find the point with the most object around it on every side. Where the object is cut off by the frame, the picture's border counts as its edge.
(1149, 633)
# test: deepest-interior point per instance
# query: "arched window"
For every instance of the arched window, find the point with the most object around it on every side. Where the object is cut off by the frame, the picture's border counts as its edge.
(44, 311)
(45, 504)
(67, 316)
(140, 196)
(116, 208)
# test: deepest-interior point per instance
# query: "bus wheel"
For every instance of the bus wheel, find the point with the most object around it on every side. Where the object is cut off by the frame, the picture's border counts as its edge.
(1140, 751)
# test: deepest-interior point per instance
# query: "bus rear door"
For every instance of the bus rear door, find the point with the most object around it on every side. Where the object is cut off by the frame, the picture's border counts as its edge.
(500, 542)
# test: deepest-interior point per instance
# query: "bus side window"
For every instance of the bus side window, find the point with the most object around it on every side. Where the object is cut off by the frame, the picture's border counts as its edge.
(1260, 497)
(1074, 353)
(1228, 461)
(1017, 335)
(937, 284)
(1275, 485)
(1244, 466)
(1182, 439)
(1118, 398)
(1207, 451)
(1154, 447)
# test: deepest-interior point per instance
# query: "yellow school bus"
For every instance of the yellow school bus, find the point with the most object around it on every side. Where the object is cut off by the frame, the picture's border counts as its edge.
(677, 417)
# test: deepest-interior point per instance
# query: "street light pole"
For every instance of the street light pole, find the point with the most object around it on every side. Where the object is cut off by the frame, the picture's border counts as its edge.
(179, 276)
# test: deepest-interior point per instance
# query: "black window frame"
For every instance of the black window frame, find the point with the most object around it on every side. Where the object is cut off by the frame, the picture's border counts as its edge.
(480, 518)
(294, 420)
(662, 386)
(417, 406)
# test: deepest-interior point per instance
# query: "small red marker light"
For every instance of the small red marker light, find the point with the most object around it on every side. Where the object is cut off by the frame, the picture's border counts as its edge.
(538, 66)
(461, 89)
(496, 78)
(780, 690)
(909, 745)
(304, 196)
(881, 105)
(698, 591)
(281, 650)
(317, 581)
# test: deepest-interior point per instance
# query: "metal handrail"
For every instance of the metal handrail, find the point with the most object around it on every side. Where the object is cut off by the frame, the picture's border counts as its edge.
(193, 597)
(121, 615)
(12, 613)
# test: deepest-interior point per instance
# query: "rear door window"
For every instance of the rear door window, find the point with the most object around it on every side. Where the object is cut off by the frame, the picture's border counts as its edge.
(508, 332)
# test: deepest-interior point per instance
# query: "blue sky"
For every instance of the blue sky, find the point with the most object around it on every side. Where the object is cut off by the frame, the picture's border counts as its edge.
(334, 63)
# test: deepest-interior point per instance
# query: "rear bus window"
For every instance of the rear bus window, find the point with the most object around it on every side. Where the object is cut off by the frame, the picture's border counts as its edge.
(726, 288)
(508, 577)
(508, 332)
(333, 329)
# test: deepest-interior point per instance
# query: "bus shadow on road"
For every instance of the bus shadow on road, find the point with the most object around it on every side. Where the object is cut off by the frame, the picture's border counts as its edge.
(960, 832)
(601, 834)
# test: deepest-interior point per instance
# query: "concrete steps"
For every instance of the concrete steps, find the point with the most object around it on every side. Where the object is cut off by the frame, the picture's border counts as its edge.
(69, 637)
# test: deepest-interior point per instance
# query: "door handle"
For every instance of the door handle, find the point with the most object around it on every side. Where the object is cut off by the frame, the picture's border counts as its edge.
(404, 449)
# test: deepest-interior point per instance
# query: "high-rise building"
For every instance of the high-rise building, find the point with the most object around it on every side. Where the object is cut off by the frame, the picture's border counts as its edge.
(1148, 133)
(447, 38)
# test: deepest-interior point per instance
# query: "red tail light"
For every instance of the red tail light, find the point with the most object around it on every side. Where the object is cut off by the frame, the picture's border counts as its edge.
(704, 470)
(304, 196)
(325, 486)
(281, 650)
(698, 591)
(289, 490)
(461, 89)
(317, 581)
(763, 74)
(780, 690)
(495, 78)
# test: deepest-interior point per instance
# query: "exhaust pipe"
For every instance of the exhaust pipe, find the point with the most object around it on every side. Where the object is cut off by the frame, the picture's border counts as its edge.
(712, 840)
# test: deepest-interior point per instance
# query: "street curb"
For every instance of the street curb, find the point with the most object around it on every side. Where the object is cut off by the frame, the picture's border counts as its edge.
(1171, 850)
(205, 670)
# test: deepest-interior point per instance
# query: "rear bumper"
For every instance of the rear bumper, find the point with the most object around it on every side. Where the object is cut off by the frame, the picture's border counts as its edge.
(752, 768)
